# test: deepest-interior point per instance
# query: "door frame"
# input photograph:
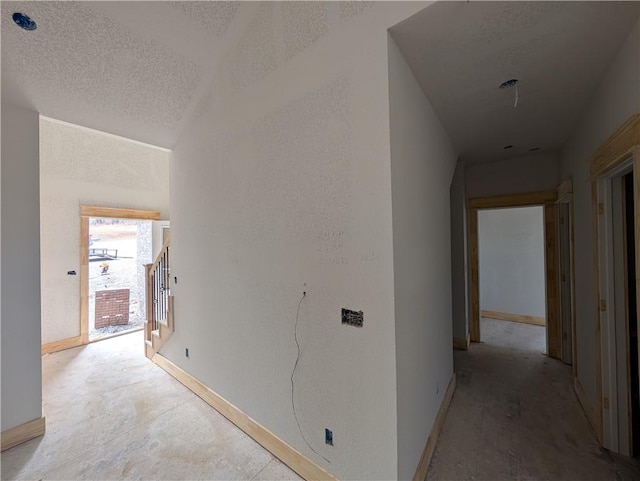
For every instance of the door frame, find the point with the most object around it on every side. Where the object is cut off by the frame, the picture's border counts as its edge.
(87, 212)
(546, 199)
(619, 151)
(565, 196)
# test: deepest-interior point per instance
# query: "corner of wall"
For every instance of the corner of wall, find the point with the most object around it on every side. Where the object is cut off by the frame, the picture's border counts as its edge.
(423, 159)
(616, 98)
(21, 323)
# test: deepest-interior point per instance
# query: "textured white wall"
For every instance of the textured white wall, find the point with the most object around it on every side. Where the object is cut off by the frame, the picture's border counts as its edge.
(157, 236)
(529, 173)
(84, 167)
(459, 277)
(511, 257)
(422, 165)
(281, 184)
(21, 357)
(617, 98)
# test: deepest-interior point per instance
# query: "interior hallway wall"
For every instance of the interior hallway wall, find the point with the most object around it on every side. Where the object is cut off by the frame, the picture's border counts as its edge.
(20, 252)
(616, 99)
(78, 167)
(422, 163)
(281, 184)
(512, 261)
(459, 263)
(534, 172)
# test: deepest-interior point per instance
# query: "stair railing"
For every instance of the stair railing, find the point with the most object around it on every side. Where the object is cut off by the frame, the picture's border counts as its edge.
(158, 290)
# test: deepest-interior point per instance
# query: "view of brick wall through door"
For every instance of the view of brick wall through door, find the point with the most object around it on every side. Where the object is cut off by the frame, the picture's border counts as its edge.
(112, 308)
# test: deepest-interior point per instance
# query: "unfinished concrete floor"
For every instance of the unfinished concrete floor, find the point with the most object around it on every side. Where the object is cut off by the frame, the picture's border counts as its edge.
(514, 415)
(112, 414)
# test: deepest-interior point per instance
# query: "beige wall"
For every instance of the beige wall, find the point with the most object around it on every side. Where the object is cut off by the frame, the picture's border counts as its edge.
(78, 167)
(616, 99)
(459, 267)
(281, 185)
(511, 260)
(20, 259)
(527, 173)
(423, 160)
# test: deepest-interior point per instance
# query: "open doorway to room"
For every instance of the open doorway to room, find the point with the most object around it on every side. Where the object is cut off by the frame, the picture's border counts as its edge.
(118, 251)
(630, 303)
(115, 246)
(512, 277)
(619, 308)
(566, 281)
(547, 202)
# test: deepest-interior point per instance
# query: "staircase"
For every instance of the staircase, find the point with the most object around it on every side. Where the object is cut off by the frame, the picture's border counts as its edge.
(159, 304)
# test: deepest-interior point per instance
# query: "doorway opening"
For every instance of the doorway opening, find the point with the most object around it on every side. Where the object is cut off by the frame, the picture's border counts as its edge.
(566, 277)
(105, 243)
(615, 200)
(631, 311)
(617, 269)
(547, 201)
(118, 250)
(512, 277)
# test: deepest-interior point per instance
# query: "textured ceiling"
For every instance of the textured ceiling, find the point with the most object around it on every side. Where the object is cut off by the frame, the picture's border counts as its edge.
(129, 68)
(460, 52)
(141, 69)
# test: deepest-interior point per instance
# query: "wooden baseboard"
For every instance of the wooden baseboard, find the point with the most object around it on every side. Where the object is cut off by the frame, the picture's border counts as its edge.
(505, 316)
(425, 459)
(61, 345)
(587, 407)
(462, 344)
(22, 433)
(299, 463)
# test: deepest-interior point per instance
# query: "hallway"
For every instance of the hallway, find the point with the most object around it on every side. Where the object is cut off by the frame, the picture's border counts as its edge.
(112, 414)
(514, 415)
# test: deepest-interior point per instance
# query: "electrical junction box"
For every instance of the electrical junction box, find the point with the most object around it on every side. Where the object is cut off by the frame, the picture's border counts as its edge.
(352, 318)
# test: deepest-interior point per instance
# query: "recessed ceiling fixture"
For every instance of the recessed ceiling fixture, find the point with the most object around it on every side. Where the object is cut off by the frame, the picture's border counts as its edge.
(24, 21)
(507, 84)
(508, 147)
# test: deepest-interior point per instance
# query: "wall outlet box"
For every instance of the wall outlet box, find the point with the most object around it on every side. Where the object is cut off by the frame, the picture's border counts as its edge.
(328, 437)
(352, 318)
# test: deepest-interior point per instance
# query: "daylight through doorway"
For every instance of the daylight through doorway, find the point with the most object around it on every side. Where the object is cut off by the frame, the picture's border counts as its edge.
(118, 250)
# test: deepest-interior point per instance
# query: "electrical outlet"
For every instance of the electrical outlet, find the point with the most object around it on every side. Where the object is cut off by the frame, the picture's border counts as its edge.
(186, 352)
(328, 437)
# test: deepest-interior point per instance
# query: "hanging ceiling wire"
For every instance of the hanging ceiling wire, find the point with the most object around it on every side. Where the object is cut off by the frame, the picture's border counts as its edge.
(511, 83)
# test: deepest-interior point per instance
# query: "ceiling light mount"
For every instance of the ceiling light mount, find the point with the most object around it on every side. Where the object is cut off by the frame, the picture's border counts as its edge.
(507, 84)
(24, 21)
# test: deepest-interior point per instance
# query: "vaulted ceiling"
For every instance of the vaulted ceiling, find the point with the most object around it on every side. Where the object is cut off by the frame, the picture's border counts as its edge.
(460, 52)
(130, 68)
(139, 69)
